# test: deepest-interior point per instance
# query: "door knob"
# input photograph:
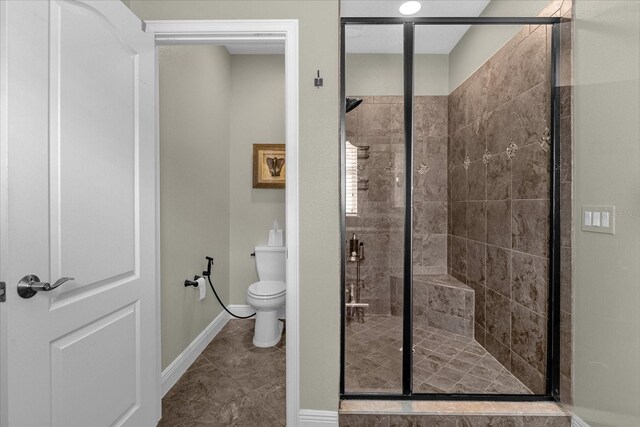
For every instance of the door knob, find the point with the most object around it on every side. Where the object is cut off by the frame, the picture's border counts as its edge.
(29, 285)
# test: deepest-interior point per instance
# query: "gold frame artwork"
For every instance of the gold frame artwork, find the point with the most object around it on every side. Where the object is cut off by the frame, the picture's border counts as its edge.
(269, 168)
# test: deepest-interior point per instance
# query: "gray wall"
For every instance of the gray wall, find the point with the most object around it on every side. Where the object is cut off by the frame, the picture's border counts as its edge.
(319, 208)
(480, 42)
(607, 154)
(194, 204)
(382, 74)
(257, 117)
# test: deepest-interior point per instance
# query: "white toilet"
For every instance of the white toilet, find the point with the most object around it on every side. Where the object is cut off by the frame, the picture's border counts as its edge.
(268, 295)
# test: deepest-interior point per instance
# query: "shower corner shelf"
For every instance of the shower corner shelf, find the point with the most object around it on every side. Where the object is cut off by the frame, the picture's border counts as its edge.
(363, 152)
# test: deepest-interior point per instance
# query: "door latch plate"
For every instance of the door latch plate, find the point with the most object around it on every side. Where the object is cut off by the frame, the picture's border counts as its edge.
(3, 292)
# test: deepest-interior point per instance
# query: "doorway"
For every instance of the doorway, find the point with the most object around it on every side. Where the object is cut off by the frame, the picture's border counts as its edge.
(263, 33)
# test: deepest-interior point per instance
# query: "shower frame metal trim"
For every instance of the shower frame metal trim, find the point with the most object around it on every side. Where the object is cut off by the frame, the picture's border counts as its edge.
(553, 327)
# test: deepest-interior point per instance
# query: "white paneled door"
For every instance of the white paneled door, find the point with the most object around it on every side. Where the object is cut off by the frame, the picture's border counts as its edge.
(77, 187)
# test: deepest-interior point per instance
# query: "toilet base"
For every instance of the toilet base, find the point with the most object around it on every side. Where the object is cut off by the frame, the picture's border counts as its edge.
(268, 329)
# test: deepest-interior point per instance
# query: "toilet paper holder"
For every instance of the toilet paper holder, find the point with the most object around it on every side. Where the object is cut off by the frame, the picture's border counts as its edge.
(193, 282)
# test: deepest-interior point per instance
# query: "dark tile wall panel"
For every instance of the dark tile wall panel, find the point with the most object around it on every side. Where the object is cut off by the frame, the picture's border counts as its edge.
(378, 124)
(499, 191)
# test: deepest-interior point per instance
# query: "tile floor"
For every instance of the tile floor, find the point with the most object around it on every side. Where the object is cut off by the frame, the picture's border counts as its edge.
(444, 362)
(232, 383)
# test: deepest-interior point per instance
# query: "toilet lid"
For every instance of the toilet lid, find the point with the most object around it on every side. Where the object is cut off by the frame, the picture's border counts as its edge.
(267, 288)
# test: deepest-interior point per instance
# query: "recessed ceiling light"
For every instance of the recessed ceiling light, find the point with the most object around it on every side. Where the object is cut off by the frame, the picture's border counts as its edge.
(410, 7)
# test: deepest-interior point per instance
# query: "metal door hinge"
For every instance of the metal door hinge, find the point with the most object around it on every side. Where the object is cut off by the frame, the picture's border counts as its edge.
(3, 292)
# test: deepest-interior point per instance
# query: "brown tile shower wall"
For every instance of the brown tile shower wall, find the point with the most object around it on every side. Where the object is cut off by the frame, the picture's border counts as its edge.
(379, 124)
(499, 163)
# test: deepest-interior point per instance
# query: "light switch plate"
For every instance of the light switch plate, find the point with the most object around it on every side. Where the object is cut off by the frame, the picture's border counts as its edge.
(598, 219)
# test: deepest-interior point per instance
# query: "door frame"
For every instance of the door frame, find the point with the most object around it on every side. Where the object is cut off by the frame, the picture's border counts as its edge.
(4, 199)
(181, 32)
(552, 386)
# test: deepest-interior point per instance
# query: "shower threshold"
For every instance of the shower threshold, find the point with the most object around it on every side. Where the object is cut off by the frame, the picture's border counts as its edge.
(447, 413)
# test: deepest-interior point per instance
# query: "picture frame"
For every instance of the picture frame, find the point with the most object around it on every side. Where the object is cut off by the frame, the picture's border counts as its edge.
(269, 166)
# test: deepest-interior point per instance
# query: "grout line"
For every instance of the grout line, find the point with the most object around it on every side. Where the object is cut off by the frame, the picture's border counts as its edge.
(205, 357)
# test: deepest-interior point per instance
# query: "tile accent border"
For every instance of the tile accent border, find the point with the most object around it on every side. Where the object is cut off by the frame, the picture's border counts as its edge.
(512, 149)
(312, 418)
(180, 364)
(486, 157)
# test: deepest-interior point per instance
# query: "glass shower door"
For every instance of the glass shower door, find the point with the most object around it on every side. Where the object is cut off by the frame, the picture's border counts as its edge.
(374, 206)
(481, 209)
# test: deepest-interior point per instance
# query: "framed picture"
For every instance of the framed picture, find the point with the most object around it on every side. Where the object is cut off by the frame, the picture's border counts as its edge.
(269, 169)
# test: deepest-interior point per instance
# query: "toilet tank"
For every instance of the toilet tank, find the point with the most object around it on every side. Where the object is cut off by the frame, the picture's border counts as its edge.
(271, 262)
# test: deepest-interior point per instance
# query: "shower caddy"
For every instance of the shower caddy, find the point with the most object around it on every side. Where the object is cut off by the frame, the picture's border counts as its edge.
(354, 307)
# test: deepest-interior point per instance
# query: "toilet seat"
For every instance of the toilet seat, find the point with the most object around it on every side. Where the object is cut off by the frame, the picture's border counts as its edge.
(267, 289)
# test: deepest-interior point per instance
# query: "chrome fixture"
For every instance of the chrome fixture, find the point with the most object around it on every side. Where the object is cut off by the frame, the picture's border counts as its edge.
(30, 284)
(355, 308)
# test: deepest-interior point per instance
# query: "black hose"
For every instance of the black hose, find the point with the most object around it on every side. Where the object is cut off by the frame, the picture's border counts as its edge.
(221, 303)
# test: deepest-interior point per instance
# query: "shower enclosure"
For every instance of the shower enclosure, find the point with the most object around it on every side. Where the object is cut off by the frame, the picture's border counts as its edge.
(451, 186)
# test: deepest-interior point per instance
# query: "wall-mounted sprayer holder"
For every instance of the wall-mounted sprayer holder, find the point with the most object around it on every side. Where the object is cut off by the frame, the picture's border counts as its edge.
(207, 272)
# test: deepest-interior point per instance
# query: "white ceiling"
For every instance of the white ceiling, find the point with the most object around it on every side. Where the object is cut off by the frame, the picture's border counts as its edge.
(432, 39)
(255, 48)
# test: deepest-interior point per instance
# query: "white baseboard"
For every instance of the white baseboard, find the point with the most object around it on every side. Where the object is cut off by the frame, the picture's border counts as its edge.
(241, 309)
(179, 366)
(311, 418)
(576, 421)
